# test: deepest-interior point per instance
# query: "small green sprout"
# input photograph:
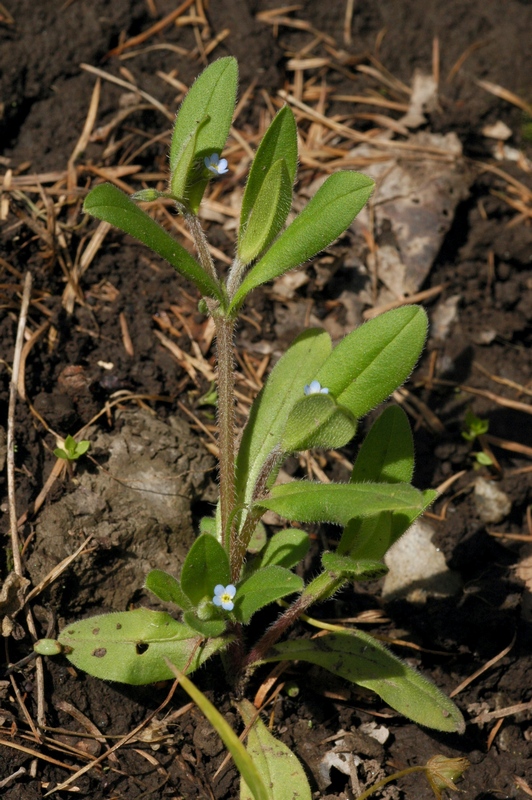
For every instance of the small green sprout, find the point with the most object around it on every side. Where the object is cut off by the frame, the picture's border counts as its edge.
(72, 450)
(475, 426)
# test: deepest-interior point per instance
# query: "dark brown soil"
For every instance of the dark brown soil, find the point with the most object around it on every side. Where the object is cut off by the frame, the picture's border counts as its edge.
(483, 262)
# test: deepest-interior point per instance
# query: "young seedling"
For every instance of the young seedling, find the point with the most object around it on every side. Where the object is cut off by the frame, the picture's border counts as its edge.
(72, 450)
(475, 428)
(313, 398)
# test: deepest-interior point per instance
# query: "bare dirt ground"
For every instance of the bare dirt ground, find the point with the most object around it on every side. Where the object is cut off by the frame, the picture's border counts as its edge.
(433, 99)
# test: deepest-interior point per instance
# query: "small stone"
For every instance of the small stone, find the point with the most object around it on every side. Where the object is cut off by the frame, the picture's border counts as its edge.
(417, 569)
(492, 504)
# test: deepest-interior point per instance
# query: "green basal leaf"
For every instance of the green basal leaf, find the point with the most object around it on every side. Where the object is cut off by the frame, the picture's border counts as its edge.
(108, 203)
(278, 767)
(376, 358)
(167, 588)
(317, 421)
(243, 760)
(271, 408)
(326, 216)
(279, 142)
(358, 569)
(286, 548)
(206, 565)
(82, 447)
(361, 659)
(387, 453)
(130, 646)
(339, 502)
(268, 214)
(205, 116)
(262, 588)
(207, 628)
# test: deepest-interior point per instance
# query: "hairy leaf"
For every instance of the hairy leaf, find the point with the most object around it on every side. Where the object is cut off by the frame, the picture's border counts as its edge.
(110, 204)
(376, 358)
(363, 660)
(326, 216)
(206, 566)
(262, 588)
(286, 548)
(166, 588)
(358, 569)
(270, 410)
(204, 118)
(387, 453)
(278, 767)
(340, 502)
(317, 421)
(268, 214)
(130, 646)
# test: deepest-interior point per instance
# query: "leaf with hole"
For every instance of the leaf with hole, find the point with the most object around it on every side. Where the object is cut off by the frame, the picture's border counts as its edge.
(130, 646)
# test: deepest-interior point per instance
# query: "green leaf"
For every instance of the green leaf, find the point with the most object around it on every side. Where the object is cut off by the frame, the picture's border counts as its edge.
(372, 537)
(361, 659)
(268, 214)
(279, 142)
(278, 767)
(82, 447)
(130, 646)
(206, 565)
(358, 569)
(167, 588)
(185, 161)
(339, 502)
(286, 548)
(263, 587)
(208, 628)
(278, 145)
(205, 118)
(387, 453)
(244, 762)
(326, 216)
(317, 421)
(376, 358)
(110, 204)
(272, 406)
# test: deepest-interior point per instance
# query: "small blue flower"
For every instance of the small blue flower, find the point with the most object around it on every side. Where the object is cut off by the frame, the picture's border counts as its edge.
(215, 164)
(315, 387)
(223, 596)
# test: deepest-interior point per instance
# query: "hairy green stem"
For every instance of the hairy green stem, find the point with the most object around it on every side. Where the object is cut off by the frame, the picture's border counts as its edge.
(322, 587)
(226, 426)
(201, 244)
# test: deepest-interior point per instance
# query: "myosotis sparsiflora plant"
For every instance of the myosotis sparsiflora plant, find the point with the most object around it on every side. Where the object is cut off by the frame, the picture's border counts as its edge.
(313, 398)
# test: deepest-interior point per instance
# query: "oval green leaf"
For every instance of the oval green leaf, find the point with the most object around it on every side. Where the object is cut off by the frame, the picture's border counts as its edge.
(317, 421)
(263, 587)
(326, 216)
(206, 565)
(387, 452)
(130, 646)
(376, 358)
